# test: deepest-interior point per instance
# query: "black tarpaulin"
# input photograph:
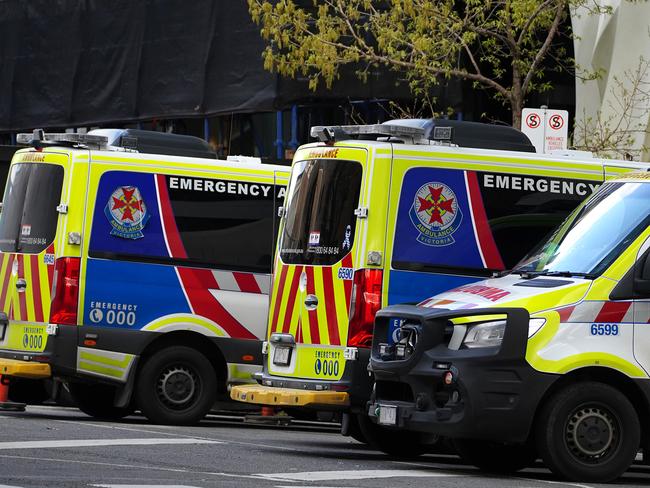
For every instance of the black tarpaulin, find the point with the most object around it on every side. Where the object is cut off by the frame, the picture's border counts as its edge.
(68, 63)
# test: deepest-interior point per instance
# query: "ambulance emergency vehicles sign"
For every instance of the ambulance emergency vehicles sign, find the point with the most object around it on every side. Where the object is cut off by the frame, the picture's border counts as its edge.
(546, 129)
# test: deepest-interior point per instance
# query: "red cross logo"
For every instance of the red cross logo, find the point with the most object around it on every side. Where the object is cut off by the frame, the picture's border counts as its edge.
(127, 204)
(436, 205)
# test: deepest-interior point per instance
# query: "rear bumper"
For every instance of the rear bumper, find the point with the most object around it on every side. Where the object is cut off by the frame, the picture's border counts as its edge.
(289, 397)
(351, 392)
(24, 369)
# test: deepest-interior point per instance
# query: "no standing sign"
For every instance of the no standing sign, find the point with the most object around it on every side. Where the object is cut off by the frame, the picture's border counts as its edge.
(546, 129)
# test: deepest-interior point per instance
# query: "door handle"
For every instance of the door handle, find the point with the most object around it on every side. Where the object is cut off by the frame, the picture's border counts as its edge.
(311, 302)
(21, 285)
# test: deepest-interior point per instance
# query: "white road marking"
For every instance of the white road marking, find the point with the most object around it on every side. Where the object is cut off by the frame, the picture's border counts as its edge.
(561, 483)
(140, 467)
(356, 475)
(176, 434)
(144, 486)
(9, 486)
(98, 443)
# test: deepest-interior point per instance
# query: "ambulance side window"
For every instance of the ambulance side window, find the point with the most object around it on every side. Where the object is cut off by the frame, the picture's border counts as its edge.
(523, 210)
(476, 222)
(185, 221)
(233, 228)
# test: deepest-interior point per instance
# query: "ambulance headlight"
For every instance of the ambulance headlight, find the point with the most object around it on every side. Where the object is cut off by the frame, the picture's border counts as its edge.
(486, 334)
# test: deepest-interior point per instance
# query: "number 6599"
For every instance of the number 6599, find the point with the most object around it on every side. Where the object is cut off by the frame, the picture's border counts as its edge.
(604, 329)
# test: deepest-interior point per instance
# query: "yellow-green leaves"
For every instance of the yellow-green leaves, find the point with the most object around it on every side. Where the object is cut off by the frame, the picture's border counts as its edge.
(501, 45)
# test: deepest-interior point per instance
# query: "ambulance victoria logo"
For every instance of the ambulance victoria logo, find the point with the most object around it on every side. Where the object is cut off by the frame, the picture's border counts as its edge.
(127, 212)
(435, 214)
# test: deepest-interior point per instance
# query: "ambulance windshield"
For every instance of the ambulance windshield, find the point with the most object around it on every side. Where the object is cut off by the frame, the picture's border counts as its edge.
(594, 234)
(320, 222)
(29, 216)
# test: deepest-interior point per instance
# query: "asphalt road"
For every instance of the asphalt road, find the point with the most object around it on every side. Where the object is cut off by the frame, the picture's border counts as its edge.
(62, 447)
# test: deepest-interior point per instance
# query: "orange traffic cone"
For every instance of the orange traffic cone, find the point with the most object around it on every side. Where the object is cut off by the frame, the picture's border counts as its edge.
(4, 389)
(5, 404)
(268, 411)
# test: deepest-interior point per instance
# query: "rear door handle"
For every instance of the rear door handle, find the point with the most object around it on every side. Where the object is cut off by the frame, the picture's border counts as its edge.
(21, 284)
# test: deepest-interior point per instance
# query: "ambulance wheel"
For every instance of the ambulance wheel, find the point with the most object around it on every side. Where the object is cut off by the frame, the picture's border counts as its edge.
(396, 443)
(588, 431)
(98, 400)
(176, 386)
(495, 457)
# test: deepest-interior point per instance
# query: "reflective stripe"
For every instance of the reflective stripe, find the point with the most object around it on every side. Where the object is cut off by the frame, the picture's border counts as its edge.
(7, 261)
(290, 322)
(312, 334)
(242, 373)
(277, 297)
(104, 363)
(501, 163)
(35, 287)
(183, 321)
(22, 298)
(225, 280)
(598, 311)
(330, 305)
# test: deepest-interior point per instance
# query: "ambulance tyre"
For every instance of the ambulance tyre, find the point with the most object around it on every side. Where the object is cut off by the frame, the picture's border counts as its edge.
(396, 443)
(589, 432)
(495, 457)
(97, 401)
(176, 386)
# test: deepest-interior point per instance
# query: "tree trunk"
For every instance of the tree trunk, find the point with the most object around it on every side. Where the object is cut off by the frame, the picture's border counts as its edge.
(516, 107)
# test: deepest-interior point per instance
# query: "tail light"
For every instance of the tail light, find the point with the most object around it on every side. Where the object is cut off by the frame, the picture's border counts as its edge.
(366, 300)
(65, 289)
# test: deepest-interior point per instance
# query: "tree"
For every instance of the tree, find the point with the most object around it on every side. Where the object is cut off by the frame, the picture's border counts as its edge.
(500, 45)
(620, 128)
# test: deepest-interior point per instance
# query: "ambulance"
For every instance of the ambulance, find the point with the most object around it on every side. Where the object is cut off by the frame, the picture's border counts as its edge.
(550, 360)
(392, 213)
(135, 270)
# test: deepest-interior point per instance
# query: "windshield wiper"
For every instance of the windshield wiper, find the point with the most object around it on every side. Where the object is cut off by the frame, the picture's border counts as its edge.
(568, 274)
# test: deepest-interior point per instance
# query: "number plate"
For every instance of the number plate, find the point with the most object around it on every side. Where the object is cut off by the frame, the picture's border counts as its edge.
(387, 414)
(281, 355)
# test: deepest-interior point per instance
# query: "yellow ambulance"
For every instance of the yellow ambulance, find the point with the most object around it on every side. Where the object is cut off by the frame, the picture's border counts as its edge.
(392, 213)
(135, 269)
(551, 360)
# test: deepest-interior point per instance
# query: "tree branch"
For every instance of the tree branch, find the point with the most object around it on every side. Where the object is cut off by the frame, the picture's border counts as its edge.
(541, 53)
(531, 19)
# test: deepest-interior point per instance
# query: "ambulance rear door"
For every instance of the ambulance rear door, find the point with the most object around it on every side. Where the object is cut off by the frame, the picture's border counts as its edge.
(317, 253)
(31, 230)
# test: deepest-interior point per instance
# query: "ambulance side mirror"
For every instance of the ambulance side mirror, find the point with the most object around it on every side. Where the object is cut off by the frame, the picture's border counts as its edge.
(642, 276)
